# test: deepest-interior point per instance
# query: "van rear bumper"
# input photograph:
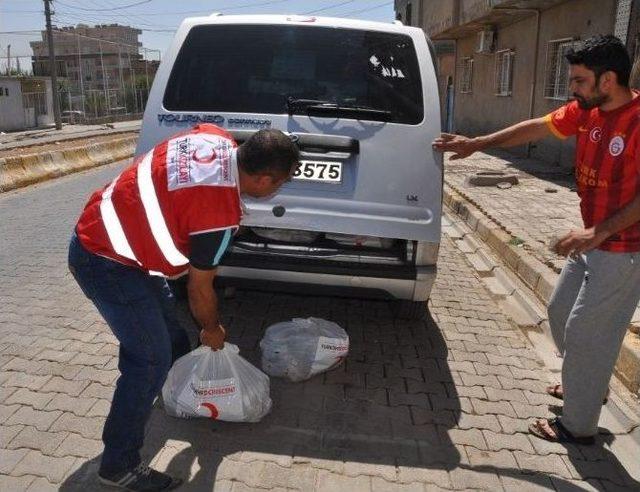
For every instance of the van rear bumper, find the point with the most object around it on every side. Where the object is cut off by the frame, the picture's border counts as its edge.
(414, 287)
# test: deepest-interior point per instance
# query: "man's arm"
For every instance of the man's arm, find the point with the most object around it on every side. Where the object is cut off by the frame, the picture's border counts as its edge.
(577, 242)
(518, 134)
(203, 302)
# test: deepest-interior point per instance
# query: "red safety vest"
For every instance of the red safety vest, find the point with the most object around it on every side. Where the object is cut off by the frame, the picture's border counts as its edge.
(185, 185)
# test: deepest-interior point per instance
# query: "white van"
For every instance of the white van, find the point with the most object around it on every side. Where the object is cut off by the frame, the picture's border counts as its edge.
(361, 99)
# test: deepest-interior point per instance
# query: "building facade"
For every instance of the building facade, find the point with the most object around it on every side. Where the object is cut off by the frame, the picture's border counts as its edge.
(509, 62)
(96, 57)
(102, 72)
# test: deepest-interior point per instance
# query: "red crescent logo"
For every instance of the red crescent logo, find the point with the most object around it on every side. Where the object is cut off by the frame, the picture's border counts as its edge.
(203, 160)
(212, 408)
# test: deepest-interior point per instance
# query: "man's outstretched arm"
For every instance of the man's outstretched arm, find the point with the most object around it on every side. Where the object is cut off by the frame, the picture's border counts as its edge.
(518, 134)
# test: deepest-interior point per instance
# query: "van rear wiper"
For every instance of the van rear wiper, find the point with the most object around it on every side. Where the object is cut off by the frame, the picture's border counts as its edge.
(321, 108)
(294, 103)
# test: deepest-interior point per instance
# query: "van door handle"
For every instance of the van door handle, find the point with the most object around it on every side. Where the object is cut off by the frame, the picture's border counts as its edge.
(326, 144)
(313, 143)
(323, 155)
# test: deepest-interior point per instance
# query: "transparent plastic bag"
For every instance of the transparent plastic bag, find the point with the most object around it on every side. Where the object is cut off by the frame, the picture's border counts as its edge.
(365, 241)
(216, 384)
(286, 235)
(301, 348)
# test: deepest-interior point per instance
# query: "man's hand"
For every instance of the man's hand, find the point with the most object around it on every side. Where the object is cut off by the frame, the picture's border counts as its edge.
(518, 134)
(213, 338)
(578, 242)
(460, 145)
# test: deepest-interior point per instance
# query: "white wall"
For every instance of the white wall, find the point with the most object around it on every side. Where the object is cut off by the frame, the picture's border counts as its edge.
(11, 109)
(48, 119)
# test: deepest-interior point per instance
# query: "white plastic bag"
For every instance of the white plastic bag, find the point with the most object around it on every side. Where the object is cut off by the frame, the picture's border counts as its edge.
(286, 235)
(301, 348)
(217, 384)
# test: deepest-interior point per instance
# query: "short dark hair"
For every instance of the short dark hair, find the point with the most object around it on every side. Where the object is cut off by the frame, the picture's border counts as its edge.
(269, 152)
(603, 54)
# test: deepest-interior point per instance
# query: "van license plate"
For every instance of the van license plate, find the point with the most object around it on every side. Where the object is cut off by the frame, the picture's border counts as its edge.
(320, 171)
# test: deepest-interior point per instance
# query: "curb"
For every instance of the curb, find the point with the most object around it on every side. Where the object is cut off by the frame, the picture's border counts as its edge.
(17, 172)
(540, 278)
(38, 138)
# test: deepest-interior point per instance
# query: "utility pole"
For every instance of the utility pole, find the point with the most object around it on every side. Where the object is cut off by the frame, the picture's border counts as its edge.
(132, 77)
(8, 59)
(123, 92)
(146, 70)
(105, 77)
(54, 68)
(84, 114)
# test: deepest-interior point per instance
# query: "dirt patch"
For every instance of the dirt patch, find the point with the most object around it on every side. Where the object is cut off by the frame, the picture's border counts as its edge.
(62, 144)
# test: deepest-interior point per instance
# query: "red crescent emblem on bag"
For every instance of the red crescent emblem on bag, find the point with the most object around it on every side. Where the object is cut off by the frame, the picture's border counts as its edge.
(212, 409)
(203, 160)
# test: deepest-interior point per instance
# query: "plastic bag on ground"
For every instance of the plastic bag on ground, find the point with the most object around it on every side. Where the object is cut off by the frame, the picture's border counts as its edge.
(301, 348)
(216, 384)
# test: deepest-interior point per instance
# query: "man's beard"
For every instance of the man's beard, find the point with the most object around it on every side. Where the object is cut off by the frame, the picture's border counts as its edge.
(594, 102)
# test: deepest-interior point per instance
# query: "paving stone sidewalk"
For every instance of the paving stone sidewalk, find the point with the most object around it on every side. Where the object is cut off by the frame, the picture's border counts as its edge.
(544, 204)
(440, 404)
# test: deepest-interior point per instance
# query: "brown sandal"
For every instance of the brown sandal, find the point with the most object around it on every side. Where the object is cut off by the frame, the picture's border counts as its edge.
(556, 392)
(560, 433)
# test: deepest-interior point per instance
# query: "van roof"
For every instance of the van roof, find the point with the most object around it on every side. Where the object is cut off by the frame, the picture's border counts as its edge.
(296, 19)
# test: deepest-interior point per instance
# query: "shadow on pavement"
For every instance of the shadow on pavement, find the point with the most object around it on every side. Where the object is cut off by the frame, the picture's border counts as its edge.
(554, 174)
(391, 404)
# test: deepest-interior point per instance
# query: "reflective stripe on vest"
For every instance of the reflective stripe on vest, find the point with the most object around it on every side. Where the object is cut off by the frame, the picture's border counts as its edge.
(113, 226)
(154, 214)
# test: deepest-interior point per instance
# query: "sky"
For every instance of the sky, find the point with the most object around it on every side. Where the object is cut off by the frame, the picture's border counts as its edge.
(158, 18)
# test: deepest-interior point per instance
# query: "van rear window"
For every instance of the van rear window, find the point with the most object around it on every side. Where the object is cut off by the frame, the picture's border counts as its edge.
(257, 68)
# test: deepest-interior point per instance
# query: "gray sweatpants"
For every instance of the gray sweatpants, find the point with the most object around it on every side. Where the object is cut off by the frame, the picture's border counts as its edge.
(589, 313)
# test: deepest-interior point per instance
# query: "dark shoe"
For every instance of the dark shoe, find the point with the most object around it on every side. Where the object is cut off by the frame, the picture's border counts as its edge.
(555, 409)
(140, 479)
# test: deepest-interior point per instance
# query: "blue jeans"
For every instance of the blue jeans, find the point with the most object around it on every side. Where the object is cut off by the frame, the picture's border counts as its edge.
(140, 310)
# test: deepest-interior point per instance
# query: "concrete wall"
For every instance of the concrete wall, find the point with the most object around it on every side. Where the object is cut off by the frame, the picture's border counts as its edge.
(438, 16)
(472, 9)
(401, 8)
(11, 109)
(482, 112)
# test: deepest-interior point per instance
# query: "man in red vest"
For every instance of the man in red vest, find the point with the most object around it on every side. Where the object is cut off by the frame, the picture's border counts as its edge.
(599, 287)
(173, 212)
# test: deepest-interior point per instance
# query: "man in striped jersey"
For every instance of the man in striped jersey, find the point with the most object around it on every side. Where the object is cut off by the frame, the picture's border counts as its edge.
(599, 287)
(172, 212)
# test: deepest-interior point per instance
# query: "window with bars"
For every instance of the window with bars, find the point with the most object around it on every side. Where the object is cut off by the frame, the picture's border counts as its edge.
(557, 69)
(466, 81)
(504, 72)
